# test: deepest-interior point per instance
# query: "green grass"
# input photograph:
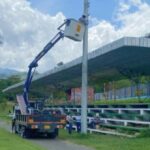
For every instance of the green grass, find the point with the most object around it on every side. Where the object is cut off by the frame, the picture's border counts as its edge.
(107, 142)
(111, 102)
(9, 141)
(123, 101)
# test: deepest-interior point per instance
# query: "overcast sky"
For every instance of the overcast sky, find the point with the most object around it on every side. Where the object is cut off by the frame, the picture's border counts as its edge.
(27, 25)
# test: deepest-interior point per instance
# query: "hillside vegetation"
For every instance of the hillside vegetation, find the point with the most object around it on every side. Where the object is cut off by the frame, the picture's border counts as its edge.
(59, 96)
(4, 83)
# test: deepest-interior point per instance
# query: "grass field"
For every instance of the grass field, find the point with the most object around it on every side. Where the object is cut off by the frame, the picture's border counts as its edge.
(107, 102)
(107, 142)
(10, 141)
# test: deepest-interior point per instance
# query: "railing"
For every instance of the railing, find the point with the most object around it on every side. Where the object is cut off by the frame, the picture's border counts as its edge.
(131, 117)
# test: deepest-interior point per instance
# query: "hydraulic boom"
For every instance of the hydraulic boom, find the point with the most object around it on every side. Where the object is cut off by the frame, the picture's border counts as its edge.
(73, 30)
(34, 64)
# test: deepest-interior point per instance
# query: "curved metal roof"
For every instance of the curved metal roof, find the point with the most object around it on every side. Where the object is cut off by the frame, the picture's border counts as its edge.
(127, 56)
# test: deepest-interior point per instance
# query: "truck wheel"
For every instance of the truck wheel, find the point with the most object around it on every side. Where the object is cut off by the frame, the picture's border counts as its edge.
(54, 134)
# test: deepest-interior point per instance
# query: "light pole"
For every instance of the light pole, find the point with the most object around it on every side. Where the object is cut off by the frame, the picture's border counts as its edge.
(84, 71)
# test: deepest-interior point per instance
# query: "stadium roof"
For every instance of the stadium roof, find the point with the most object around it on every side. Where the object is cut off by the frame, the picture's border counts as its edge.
(128, 56)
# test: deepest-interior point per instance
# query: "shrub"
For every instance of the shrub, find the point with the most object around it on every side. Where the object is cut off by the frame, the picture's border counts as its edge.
(145, 133)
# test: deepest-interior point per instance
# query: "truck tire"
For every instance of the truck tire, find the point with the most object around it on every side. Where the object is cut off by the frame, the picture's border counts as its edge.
(54, 134)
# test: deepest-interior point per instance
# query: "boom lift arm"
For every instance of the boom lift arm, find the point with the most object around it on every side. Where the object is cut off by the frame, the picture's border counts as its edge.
(34, 64)
(73, 30)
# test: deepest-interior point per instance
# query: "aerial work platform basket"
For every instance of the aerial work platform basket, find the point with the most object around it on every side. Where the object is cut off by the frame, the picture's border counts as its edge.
(74, 30)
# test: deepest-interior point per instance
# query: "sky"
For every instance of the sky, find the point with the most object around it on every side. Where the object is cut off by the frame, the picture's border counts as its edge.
(74, 8)
(27, 25)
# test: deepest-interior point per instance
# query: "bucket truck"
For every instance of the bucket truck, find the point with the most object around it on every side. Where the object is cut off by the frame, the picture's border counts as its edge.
(29, 118)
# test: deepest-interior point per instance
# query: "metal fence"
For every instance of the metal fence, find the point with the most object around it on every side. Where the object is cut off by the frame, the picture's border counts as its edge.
(140, 90)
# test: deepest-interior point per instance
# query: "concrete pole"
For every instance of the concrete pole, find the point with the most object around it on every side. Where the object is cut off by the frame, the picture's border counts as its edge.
(84, 72)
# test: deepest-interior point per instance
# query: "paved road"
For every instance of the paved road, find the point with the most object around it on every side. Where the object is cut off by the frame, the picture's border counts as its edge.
(59, 145)
(50, 144)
